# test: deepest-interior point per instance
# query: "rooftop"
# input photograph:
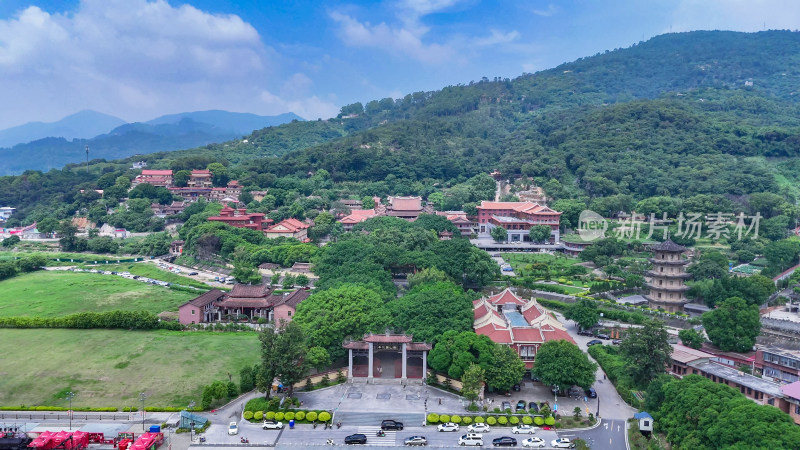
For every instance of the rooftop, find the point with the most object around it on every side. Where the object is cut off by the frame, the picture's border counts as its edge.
(731, 374)
(684, 354)
(792, 390)
(667, 246)
(516, 319)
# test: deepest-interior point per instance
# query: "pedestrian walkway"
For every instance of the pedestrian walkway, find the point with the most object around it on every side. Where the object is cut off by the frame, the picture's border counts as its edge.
(374, 439)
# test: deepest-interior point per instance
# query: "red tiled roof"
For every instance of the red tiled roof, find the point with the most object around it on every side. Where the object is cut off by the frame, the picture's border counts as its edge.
(791, 390)
(204, 299)
(247, 291)
(294, 298)
(526, 335)
(505, 297)
(406, 203)
(554, 334)
(204, 172)
(481, 311)
(531, 313)
(499, 335)
(149, 172)
(292, 225)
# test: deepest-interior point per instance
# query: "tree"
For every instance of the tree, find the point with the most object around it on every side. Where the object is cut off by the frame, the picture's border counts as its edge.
(570, 211)
(506, 369)
(291, 354)
(563, 364)
(247, 379)
(47, 225)
(584, 313)
(181, 178)
(245, 273)
(267, 370)
(219, 174)
(539, 233)
(428, 275)
(646, 351)
(328, 317)
(733, 325)
(454, 352)
(11, 241)
(499, 234)
(691, 338)
(428, 310)
(318, 358)
(472, 381)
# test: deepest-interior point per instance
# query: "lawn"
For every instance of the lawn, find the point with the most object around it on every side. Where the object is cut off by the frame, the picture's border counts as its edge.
(150, 270)
(529, 258)
(109, 368)
(56, 293)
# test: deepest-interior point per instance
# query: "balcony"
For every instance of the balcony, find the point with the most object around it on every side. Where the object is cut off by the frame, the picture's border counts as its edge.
(669, 276)
(669, 262)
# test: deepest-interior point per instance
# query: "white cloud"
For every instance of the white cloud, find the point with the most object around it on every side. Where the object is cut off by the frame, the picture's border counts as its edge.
(425, 7)
(497, 37)
(549, 11)
(308, 108)
(136, 59)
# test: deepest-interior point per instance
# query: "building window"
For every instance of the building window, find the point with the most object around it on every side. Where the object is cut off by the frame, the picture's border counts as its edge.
(289, 313)
(527, 352)
(192, 312)
(797, 409)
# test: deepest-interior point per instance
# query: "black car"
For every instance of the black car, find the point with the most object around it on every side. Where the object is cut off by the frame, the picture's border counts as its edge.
(603, 336)
(516, 387)
(594, 342)
(587, 332)
(356, 439)
(504, 441)
(520, 406)
(391, 425)
(591, 393)
(533, 408)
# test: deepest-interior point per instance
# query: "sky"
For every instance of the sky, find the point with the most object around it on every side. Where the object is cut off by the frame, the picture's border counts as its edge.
(139, 59)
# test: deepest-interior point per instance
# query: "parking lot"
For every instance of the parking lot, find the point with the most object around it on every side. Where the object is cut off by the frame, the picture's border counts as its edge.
(531, 391)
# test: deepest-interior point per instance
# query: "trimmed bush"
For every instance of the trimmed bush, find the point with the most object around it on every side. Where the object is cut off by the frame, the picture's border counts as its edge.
(248, 415)
(538, 420)
(258, 415)
(289, 415)
(455, 419)
(514, 420)
(433, 418)
(300, 415)
(479, 419)
(550, 421)
(279, 415)
(502, 420)
(270, 415)
(324, 416)
(444, 418)
(311, 416)
(491, 420)
(527, 420)
(466, 420)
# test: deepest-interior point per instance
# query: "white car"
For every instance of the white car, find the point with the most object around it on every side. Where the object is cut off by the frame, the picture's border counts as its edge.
(478, 428)
(534, 442)
(562, 443)
(272, 425)
(449, 426)
(233, 428)
(523, 429)
(471, 439)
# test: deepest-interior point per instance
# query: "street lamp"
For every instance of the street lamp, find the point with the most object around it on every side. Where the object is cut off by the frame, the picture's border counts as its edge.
(142, 397)
(70, 395)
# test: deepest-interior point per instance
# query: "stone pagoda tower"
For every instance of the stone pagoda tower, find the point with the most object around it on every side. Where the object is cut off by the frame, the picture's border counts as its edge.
(666, 279)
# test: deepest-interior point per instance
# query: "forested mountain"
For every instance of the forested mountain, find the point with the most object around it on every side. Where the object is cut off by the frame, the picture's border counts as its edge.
(82, 124)
(681, 114)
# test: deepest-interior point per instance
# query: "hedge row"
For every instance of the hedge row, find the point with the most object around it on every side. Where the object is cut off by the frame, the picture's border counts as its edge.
(297, 416)
(54, 408)
(502, 421)
(128, 320)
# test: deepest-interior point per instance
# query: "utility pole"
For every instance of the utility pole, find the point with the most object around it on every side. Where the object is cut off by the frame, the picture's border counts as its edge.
(70, 395)
(142, 397)
(87, 158)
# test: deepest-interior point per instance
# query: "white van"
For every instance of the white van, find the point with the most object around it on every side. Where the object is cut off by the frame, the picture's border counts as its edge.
(473, 439)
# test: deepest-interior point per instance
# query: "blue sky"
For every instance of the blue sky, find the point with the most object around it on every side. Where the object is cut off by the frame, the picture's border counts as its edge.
(138, 59)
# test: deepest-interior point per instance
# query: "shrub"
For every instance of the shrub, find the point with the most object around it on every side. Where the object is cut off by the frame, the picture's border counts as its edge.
(527, 420)
(300, 415)
(550, 421)
(433, 417)
(289, 415)
(248, 415)
(326, 380)
(324, 416)
(258, 415)
(466, 420)
(479, 419)
(538, 420)
(444, 418)
(455, 419)
(502, 420)
(270, 415)
(491, 420)
(514, 420)
(279, 415)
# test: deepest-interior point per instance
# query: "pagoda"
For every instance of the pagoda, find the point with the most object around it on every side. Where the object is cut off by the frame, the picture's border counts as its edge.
(666, 279)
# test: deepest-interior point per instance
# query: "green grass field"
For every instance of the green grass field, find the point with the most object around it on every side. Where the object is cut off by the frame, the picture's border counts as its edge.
(53, 294)
(150, 270)
(529, 258)
(109, 368)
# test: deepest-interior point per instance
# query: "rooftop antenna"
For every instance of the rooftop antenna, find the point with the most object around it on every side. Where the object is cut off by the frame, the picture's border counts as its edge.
(87, 158)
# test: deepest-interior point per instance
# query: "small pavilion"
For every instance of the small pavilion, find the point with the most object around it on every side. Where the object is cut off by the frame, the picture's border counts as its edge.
(387, 356)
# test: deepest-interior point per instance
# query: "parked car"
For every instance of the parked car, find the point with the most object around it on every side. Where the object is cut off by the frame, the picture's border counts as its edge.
(520, 406)
(594, 342)
(603, 336)
(533, 408)
(504, 441)
(534, 442)
(562, 443)
(508, 269)
(356, 439)
(415, 440)
(591, 393)
(523, 429)
(516, 387)
(506, 406)
(555, 390)
(472, 439)
(233, 428)
(616, 342)
(391, 425)
(192, 273)
(271, 425)
(478, 428)
(587, 332)
(449, 426)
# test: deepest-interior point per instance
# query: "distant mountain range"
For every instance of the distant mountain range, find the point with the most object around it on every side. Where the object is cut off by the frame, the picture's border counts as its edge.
(44, 146)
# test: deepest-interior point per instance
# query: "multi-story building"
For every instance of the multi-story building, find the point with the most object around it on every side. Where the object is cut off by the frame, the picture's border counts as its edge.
(408, 208)
(200, 179)
(460, 220)
(240, 218)
(517, 218)
(779, 364)
(161, 178)
(291, 228)
(666, 279)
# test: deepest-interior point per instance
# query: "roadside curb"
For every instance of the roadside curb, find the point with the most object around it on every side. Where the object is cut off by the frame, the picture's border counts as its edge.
(597, 424)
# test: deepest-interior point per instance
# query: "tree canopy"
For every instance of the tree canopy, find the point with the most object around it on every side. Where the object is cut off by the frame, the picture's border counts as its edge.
(563, 364)
(733, 325)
